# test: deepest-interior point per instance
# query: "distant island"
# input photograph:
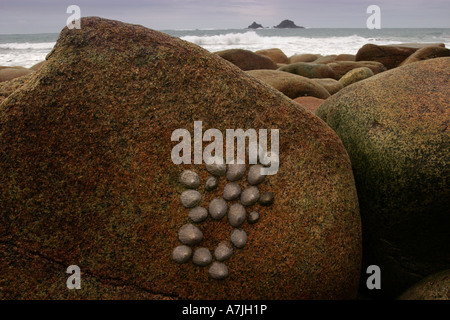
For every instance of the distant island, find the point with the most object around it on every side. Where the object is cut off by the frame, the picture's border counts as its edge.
(255, 25)
(287, 24)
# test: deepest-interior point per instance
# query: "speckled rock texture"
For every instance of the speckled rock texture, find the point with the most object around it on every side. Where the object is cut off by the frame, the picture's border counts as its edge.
(8, 87)
(395, 128)
(291, 85)
(434, 287)
(87, 178)
(331, 85)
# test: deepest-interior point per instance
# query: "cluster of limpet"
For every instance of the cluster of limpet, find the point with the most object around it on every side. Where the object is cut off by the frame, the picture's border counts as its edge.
(190, 235)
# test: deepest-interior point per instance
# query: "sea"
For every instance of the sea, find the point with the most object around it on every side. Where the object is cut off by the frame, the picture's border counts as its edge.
(28, 49)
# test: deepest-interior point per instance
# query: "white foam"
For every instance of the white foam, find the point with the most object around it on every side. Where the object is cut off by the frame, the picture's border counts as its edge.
(289, 45)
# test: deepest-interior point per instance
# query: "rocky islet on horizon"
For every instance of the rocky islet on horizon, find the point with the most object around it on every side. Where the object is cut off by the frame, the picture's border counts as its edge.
(397, 146)
(285, 24)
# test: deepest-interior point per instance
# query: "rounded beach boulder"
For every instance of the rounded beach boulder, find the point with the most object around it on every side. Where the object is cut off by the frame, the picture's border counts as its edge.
(247, 60)
(310, 103)
(309, 70)
(340, 68)
(331, 85)
(434, 287)
(275, 54)
(395, 128)
(355, 75)
(305, 57)
(291, 85)
(87, 178)
(390, 56)
(427, 53)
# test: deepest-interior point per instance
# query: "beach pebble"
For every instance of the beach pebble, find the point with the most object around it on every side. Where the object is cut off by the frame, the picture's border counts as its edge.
(235, 171)
(182, 254)
(217, 169)
(211, 183)
(198, 214)
(249, 196)
(190, 234)
(202, 257)
(190, 198)
(218, 270)
(231, 191)
(236, 215)
(238, 238)
(218, 207)
(254, 175)
(266, 199)
(190, 179)
(223, 251)
(253, 217)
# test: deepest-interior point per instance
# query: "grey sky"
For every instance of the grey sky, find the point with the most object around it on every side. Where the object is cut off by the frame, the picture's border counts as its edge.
(31, 16)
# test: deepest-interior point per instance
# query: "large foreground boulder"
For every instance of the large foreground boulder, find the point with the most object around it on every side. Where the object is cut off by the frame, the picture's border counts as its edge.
(247, 60)
(434, 287)
(395, 128)
(87, 178)
(291, 85)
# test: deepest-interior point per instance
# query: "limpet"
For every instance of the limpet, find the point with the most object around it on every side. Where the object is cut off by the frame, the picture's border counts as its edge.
(190, 179)
(182, 254)
(254, 175)
(231, 191)
(249, 196)
(215, 168)
(236, 215)
(223, 251)
(238, 238)
(202, 257)
(211, 183)
(217, 208)
(253, 217)
(235, 171)
(218, 270)
(190, 198)
(198, 214)
(190, 234)
(266, 199)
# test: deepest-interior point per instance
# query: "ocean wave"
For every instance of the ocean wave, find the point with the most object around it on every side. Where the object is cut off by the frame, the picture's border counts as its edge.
(27, 46)
(289, 44)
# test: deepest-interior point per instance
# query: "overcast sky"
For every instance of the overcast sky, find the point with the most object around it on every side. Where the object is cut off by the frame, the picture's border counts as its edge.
(35, 16)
